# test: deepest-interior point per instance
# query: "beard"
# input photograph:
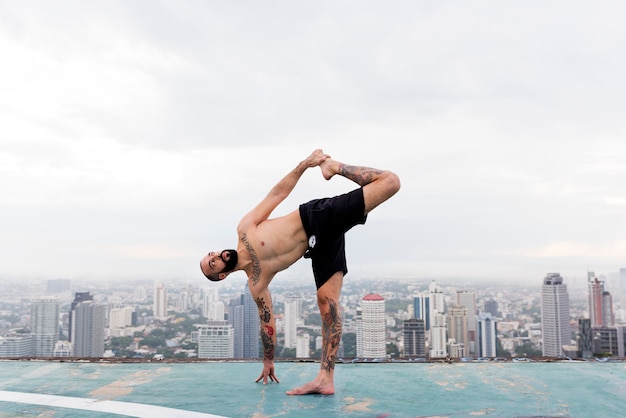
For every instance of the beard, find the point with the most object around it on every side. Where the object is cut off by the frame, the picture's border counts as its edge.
(231, 262)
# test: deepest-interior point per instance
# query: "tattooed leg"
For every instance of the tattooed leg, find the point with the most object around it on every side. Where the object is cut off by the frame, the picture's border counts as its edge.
(378, 185)
(328, 301)
(331, 335)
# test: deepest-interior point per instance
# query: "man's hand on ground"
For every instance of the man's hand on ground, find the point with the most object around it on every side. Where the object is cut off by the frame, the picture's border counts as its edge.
(268, 372)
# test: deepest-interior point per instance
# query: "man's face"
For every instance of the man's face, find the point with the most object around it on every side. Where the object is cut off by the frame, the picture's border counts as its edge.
(215, 263)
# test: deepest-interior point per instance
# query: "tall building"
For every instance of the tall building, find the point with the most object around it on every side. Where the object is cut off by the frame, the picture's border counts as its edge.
(121, 317)
(303, 345)
(293, 312)
(243, 315)
(457, 326)
(437, 300)
(468, 299)
(438, 340)
(88, 323)
(607, 309)
(78, 298)
(421, 309)
(160, 301)
(44, 320)
(216, 340)
(414, 333)
(555, 316)
(373, 327)
(600, 303)
(486, 335)
(491, 306)
(585, 338)
(438, 325)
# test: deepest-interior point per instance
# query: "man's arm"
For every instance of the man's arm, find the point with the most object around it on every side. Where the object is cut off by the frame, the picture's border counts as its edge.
(281, 190)
(268, 334)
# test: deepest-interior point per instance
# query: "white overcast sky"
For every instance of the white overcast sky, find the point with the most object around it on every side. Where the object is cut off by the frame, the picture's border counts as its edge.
(135, 134)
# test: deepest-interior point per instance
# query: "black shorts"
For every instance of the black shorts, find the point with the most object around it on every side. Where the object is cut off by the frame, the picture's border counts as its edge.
(325, 223)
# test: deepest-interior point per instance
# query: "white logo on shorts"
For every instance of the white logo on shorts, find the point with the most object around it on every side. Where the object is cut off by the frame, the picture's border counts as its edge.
(312, 241)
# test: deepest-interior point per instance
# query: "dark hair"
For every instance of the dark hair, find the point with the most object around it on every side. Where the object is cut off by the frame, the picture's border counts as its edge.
(212, 278)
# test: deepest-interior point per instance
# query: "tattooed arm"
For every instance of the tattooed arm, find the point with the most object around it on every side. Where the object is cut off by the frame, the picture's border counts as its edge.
(263, 301)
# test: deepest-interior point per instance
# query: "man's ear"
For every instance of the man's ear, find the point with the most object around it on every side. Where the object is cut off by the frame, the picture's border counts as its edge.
(222, 276)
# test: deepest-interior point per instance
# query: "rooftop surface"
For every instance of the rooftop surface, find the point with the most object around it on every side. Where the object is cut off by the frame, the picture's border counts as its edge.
(227, 389)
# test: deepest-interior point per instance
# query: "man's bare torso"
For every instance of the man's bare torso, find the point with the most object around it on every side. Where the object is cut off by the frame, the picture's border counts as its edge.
(271, 246)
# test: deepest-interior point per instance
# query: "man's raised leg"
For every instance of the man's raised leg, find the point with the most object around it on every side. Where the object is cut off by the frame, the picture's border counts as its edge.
(328, 301)
(378, 185)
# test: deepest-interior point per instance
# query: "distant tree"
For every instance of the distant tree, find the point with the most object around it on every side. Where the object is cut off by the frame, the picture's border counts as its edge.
(313, 319)
(527, 350)
(289, 353)
(500, 351)
(392, 350)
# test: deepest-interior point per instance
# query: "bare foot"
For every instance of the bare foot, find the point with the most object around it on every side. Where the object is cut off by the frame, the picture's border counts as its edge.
(329, 168)
(313, 388)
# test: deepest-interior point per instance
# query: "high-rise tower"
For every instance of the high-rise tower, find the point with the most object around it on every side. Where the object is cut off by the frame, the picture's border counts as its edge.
(293, 311)
(600, 303)
(486, 335)
(373, 327)
(88, 329)
(468, 299)
(44, 321)
(160, 301)
(555, 316)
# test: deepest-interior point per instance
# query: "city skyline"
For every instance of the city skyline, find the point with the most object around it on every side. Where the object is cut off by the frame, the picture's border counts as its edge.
(132, 150)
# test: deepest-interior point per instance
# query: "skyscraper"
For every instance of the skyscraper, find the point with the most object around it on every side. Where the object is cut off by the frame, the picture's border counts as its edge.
(244, 317)
(600, 303)
(555, 315)
(438, 341)
(421, 309)
(44, 321)
(373, 326)
(457, 325)
(293, 310)
(414, 331)
(216, 340)
(303, 345)
(468, 299)
(486, 335)
(88, 329)
(438, 326)
(585, 338)
(78, 298)
(160, 301)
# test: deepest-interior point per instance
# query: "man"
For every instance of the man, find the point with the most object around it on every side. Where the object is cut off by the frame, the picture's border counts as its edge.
(315, 230)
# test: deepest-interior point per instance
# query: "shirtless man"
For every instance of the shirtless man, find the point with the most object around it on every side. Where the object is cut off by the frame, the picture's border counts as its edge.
(315, 230)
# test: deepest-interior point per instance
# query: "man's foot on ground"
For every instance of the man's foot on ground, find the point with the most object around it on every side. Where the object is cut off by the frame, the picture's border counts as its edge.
(313, 388)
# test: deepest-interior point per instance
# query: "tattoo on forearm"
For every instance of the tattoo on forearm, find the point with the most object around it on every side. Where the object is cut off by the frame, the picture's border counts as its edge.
(256, 264)
(268, 345)
(264, 310)
(331, 335)
(359, 175)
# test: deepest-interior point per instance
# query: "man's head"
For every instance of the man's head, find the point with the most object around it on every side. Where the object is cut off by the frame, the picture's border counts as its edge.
(216, 265)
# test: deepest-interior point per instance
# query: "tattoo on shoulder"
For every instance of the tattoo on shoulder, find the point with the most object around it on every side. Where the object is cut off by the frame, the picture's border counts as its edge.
(256, 264)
